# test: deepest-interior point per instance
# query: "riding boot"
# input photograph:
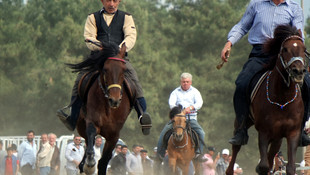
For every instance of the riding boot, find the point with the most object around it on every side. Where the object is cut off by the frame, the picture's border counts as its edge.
(143, 116)
(70, 120)
(240, 134)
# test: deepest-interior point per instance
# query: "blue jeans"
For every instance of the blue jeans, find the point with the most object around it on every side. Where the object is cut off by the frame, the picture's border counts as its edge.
(45, 170)
(161, 146)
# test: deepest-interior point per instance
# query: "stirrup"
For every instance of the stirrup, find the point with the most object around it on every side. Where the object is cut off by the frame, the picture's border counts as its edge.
(146, 123)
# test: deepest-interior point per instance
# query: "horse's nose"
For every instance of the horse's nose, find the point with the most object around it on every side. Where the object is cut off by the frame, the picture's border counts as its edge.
(298, 74)
(179, 137)
(114, 103)
(298, 71)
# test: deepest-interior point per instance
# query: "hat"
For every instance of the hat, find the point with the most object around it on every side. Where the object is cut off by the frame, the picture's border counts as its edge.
(210, 148)
(225, 151)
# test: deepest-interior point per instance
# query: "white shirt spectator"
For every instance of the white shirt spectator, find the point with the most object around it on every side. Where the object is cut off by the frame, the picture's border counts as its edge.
(73, 153)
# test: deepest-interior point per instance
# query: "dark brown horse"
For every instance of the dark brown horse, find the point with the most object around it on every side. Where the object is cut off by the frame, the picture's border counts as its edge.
(107, 106)
(278, 109)
(181, 150)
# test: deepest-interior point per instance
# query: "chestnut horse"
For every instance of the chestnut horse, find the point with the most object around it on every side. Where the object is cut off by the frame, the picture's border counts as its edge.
(107, 106)
(181, 150)
(278, 109)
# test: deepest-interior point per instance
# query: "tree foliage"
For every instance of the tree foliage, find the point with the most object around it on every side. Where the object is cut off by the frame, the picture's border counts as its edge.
(37, 38)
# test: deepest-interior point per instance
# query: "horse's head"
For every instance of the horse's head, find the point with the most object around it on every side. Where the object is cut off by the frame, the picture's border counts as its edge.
(113, 76)
(179, 126)
(287, 52)
(292, 57)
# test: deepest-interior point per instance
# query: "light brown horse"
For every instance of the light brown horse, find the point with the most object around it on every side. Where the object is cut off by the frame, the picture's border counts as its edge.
(278, 108)
(181, 150)
(107, 106)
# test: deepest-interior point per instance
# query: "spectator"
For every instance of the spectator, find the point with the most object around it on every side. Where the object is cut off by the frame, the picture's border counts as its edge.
(43, 144)
(209, 166)
(27, 155)
(118, 163)
(147, 163)
(98, 151)
(133, 161)
(222, 163)
(10, 164)
(14, 149)
(48, 158)
(117, 149)
(74, 155)
(2, 152)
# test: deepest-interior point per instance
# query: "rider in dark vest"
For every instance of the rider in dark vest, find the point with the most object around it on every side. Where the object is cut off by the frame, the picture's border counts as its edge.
(260, 26)
(109, 25)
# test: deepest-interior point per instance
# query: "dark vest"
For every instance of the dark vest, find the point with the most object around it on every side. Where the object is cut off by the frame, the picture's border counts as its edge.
(114, 32)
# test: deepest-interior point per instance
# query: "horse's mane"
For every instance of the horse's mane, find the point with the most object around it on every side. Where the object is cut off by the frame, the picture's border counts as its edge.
(273, 45)
(96, 60)
(175, 110)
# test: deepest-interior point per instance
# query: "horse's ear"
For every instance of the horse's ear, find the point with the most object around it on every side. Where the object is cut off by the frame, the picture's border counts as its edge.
(122, 50)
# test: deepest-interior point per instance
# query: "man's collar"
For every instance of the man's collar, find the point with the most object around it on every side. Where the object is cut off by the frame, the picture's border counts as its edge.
(285, 1)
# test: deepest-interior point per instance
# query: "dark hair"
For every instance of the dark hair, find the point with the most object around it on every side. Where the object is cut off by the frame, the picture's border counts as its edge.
(9, 149)
(14, 147)
(135, 146)
(30, 131)
(143, 151)
(273, 45)
(117, 145)
(124, 146)
(210, 148)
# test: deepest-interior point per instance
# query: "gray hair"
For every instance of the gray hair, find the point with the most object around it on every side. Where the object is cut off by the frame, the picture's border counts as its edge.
(186, 75)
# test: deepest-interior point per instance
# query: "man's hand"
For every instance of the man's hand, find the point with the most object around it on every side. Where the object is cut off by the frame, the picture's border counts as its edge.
(226, 51)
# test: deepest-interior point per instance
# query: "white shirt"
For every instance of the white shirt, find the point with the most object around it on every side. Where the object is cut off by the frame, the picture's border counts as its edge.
(27, 154)
(73, 153)
(191, 97)
(134, 164)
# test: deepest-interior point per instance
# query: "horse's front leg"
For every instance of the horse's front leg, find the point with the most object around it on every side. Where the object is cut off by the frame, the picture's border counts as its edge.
(173, 164)
(273, 150)
(263, 142)
(106, 155)
(235, 150)
(90, 154)
(292, 144)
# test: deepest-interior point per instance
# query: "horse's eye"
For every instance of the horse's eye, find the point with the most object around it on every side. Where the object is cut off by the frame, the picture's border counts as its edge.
(284, 49)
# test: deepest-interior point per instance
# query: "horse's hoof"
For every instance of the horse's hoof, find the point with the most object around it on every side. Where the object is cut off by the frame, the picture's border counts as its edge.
(146, 123)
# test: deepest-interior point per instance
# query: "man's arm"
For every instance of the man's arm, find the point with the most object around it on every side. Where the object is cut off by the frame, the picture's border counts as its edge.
(130, 33)
(90, 33)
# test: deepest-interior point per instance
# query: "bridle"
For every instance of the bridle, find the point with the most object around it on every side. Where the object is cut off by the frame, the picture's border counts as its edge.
(286, 65)
(105, 88)
(184, 131)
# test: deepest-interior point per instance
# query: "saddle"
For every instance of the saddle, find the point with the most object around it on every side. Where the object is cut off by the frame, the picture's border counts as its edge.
(194, 136)
(89, 78)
